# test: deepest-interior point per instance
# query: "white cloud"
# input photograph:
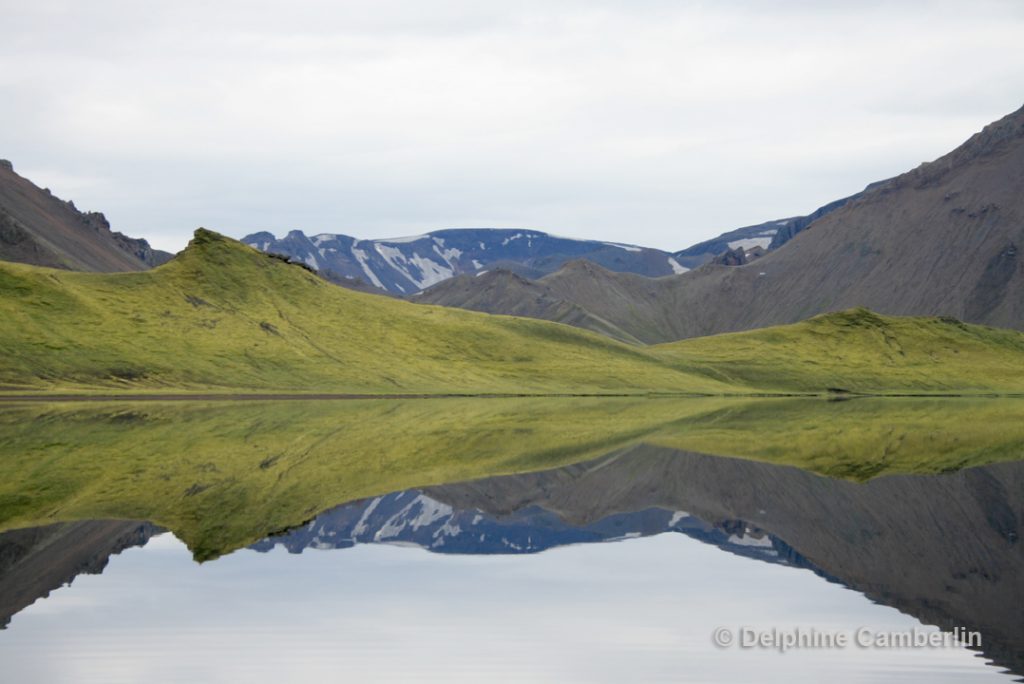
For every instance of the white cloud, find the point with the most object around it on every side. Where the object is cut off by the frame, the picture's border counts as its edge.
(658, 123)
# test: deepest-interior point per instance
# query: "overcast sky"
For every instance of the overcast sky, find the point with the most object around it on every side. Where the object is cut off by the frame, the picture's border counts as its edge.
(657, 123)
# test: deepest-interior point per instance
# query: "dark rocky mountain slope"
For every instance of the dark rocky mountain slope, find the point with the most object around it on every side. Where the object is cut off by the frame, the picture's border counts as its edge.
(38, 228)
(764, 236)
(943, 239)
(37, 560)
(624, 306)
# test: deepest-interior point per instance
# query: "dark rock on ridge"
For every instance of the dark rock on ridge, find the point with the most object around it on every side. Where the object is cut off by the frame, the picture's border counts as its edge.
(38, 228)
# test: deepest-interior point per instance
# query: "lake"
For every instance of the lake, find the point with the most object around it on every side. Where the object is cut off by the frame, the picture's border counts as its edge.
(603, 539)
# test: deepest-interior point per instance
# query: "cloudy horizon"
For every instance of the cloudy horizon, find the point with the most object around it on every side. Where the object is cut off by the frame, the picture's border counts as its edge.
(655, 123)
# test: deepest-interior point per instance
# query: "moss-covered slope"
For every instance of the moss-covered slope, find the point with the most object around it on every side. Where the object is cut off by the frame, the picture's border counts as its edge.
(224, 317)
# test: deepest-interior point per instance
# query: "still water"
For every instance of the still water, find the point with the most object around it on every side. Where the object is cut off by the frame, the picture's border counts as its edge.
(617, 567)
(638, 610)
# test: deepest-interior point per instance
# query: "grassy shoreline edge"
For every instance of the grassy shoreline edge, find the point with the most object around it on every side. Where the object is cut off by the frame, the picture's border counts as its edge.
(87, 395)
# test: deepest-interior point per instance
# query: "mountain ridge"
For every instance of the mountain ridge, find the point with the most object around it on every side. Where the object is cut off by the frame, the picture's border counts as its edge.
(38, 228)
(407, 265)
(941, 239)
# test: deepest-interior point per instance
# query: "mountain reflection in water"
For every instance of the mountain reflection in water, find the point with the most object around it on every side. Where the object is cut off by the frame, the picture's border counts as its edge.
(942, 548)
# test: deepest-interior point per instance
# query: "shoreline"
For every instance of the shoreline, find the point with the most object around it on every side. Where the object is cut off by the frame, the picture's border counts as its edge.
(42, 397)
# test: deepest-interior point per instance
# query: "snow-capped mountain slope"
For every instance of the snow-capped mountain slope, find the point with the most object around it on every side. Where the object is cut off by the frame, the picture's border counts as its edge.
(413, 517)
(407, 265)
(764, 237)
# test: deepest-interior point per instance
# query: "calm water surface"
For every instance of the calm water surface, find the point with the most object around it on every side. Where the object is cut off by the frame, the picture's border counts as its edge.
(639, 610)
(617, 568)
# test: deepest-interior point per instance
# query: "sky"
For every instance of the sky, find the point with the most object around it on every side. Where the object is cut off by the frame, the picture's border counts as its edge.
(647, 122)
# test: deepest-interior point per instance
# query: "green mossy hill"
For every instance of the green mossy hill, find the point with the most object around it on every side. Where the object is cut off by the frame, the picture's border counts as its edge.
(224, 317)
(860, 351)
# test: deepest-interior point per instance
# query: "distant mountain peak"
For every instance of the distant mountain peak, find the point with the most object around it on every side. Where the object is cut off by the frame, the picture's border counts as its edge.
(992, 140)
(407, 265)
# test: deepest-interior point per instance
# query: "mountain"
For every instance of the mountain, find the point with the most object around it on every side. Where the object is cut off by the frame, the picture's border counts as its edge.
(943, 239)
(38, 228)
(405, 266)
(945, 549)
(222, 315)
(504, 292)
(623, 306)
(763, 236)
(37, 560)
(416, 517)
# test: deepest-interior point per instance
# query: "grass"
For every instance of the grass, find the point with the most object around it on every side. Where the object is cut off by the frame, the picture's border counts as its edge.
(858, 439)
(861, 352)
(224, 474)
(222, 317)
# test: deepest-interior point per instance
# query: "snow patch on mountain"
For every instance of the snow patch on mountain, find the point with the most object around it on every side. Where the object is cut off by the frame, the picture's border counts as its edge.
(407, 265)
(430, 272)
(360, 525)
(677, 268)
(628, 248)
(749, 243)
(404, 240)
(748, 540)
(676, 517)
(363, 259)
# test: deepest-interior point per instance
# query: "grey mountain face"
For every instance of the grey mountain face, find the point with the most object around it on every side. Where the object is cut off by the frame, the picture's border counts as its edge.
(942, 240)
(764, 236)
(38, 228)
(37, 560)
(404, 266)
